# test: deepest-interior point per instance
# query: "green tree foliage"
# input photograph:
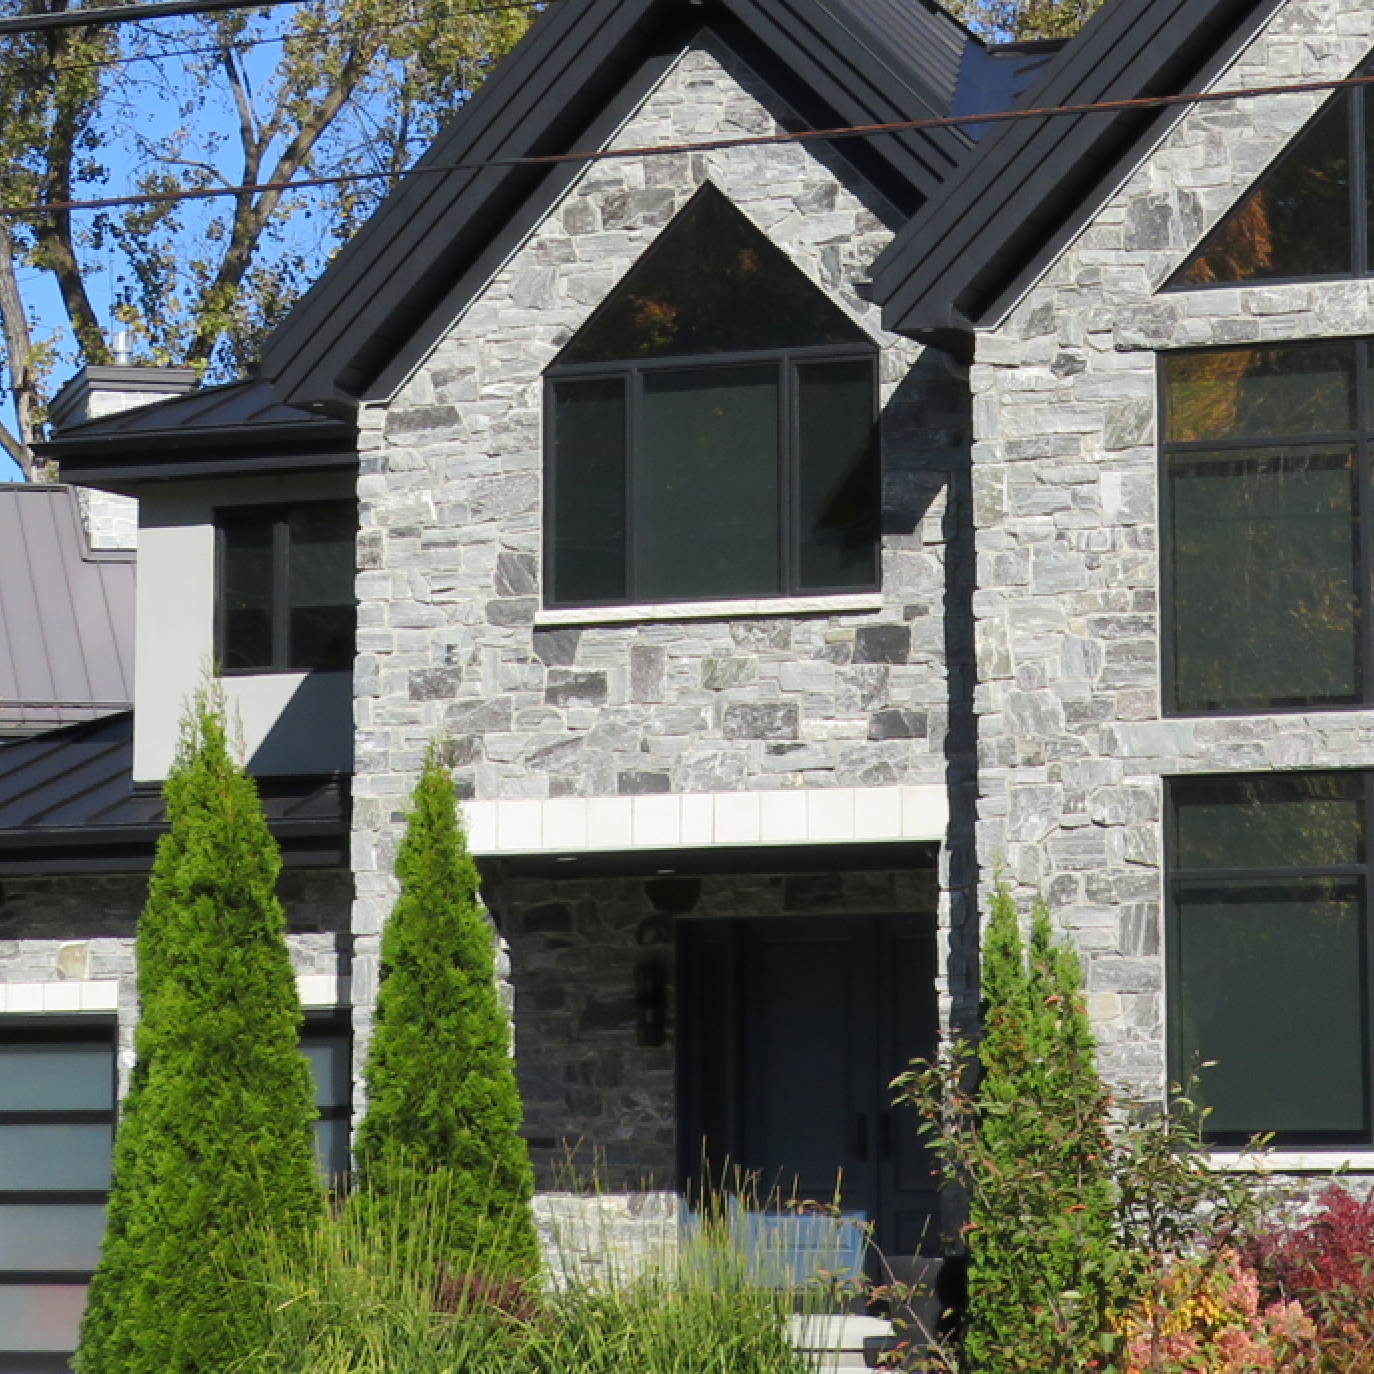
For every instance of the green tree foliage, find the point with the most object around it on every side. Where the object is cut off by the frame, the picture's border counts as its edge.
(442, 1100)
(1030, 1145)
(249, 98)
(1017, 21)
(217, 1128)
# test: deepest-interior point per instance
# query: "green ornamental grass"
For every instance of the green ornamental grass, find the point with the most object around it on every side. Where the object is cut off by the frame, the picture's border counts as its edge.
(216, 1131)
(442, 1100)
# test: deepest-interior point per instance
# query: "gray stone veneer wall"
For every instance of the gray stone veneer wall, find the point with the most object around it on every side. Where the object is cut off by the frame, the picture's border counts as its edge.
(607, 1103)
(78, 928)
(1073, 741)
(450, 496)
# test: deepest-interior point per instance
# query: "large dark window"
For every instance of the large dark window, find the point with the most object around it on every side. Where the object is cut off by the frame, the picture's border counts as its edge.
(1307, 215)
(1269, 953)
(1266, 476)
(285, 597)
(57, 1106)
(712, 430)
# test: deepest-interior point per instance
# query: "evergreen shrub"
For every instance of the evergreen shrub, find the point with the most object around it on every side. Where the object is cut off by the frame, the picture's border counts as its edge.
(442, 1101)
(217, 1128)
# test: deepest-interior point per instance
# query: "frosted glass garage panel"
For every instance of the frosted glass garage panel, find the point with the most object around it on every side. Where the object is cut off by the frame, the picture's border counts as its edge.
(56, 1077)
(41, 1317)
(63, 1237)
(57, 1157)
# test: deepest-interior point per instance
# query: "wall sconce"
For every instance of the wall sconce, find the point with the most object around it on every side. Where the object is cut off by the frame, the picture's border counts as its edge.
(651, 1005)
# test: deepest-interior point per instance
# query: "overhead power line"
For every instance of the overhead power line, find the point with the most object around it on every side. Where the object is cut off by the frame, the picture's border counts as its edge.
(129, 14)
(706, 146)
(405, 21)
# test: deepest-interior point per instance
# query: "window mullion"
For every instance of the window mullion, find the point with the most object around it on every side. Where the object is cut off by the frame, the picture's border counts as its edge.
(1359, 257)
(1366, 1011)
(1364, 542)
(634, 393)
(281, 593)
(789, 478)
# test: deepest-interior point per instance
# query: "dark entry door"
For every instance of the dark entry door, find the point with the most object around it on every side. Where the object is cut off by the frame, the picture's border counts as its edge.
(790, 1030)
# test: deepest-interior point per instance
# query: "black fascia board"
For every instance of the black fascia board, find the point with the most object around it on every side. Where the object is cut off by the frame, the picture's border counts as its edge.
(88, 471)
(1035, 182)
(40, 851)
(545, 98)
(166, 455)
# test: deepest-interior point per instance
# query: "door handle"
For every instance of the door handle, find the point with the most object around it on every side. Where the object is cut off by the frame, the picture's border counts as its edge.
(885, 1136)
(861, 1138)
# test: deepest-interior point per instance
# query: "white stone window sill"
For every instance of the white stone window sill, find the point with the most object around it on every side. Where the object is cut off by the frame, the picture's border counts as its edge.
(712, 610)
(1293, 1161)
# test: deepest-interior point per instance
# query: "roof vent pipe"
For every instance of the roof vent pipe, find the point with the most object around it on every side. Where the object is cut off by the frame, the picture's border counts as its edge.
(122, 347)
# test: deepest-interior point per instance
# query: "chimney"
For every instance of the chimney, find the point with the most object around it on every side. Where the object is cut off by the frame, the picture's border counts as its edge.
(111, 520)
(100, 390)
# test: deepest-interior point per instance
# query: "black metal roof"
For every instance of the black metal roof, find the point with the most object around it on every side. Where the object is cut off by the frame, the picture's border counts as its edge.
(582, 67)
(235, 428)
(68, 804)
(66, 615)
(965, 257)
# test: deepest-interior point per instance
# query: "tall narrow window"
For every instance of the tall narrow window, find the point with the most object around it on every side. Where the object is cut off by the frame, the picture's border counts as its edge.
(1266, 475)
(712, 430)
(1308, 214)
(285, 596)
(1269, 953)
(57, 1108)
(327, 1043)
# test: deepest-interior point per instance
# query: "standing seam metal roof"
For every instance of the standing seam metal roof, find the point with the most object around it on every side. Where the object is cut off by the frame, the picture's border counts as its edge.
(402, 279)
(66, 614)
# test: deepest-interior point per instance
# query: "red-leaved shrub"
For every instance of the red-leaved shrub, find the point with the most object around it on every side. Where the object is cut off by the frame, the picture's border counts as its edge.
(1327, 1264)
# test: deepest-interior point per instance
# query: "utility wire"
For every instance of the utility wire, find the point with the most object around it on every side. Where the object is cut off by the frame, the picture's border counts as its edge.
(405, 22)
(901, 126)
(129, 14)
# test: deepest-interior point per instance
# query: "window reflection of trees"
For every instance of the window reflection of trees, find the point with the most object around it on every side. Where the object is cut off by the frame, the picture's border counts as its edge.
(1265, 601)
(1270, 234)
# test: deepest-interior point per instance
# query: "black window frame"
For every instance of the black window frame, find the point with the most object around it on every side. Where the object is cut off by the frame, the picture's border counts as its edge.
(332, 1024)
(1361, 439)
(1176, 877)
(278, 515)
(630, 372)
(1361, 193)
(48, 1029)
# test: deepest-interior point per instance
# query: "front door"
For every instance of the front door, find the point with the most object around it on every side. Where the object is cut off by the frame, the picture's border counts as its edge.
(790, 1031)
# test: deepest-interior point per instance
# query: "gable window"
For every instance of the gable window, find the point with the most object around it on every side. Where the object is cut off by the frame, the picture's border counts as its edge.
(1269, 953)
(1307, 215)
(712, 430)
(285, 600)
(57, 1108)
(1266, 478)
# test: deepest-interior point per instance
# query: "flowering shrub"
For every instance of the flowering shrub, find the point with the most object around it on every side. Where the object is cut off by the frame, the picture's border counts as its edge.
(1327, 1264)
(1207, 1317)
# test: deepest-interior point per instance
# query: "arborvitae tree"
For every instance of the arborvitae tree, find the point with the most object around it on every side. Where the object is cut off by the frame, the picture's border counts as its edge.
(442, 1101)
(1043, 1254)
(217, 1127)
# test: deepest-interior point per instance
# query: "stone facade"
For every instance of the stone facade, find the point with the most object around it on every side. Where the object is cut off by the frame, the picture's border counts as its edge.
(450, 635)
(1073, 741)
(75, 929)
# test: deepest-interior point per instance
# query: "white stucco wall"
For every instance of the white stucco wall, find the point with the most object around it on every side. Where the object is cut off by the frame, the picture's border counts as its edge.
(291, 722)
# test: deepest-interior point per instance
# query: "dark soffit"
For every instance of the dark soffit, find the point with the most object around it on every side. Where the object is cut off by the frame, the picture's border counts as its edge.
(962, 261)
(581, 68)
(69, 804)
